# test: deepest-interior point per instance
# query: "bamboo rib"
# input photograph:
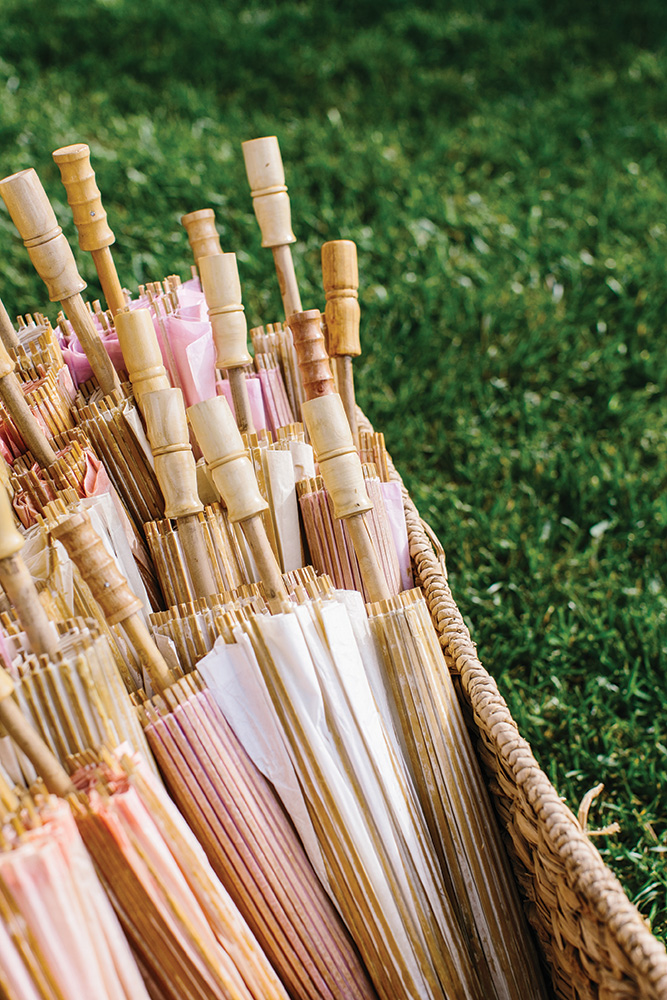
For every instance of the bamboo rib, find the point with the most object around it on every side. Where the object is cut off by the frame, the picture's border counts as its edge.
(454, 798)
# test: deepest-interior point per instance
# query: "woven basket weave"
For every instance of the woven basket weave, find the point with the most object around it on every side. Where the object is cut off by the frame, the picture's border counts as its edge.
(595, 942)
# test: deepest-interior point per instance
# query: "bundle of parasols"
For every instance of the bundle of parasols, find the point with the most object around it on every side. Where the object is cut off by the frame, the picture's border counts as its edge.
(232, 761)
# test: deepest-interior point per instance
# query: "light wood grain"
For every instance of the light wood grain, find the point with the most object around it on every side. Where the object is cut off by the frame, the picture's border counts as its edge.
(52, 257)
(141, 352)
(232, 472)
(110, 589)
(175, 468)
(90, 219)
(312, 357)
(202, 234)
(266, 176)
(340, 276)
(8, 334)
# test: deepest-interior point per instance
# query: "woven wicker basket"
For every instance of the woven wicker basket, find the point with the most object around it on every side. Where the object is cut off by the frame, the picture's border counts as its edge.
(594, 941)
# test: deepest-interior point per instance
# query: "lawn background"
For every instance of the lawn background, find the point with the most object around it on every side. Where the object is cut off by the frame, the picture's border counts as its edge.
(500, 166)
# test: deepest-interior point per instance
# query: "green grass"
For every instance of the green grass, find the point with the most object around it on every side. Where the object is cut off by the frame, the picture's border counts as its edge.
(500, 168)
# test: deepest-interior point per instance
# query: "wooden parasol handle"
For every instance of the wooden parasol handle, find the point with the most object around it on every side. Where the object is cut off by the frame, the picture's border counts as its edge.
(222, 288)
(90, 219)
(228, 461)
(266, 176)
(202, 234)
(311, 352)
(8, 334)
(53, 259)
(19, 585)
(232, 472)
(12, 396)
(176, 471)
(111, 591)
(167, 428)
(141, 352)
(340, 275)
(331, 437)
(53, 774)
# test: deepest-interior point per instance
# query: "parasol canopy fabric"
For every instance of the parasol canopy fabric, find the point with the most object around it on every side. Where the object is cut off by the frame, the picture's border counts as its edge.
(252, 845)
(59, 936)
(371, 832)
(179, 919)
(454, 798)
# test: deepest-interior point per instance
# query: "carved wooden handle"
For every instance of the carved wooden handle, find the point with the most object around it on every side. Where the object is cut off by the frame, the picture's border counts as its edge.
(229, 464)
(340, 276)
(336, 454)
(202, 234)
(266, 176)
(311, 353)
(86, 550)
(141, 352)
(110, 589)
(8, 334)
(220, 281)
(51, 254)
(175, 468)
(84, 197)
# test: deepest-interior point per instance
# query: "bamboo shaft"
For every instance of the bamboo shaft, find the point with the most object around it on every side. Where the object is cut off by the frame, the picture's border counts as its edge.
(191, 534)
(33, 746)
(144, 645)
(106, 272)
(241, 400)
(345, 379)
(265, 561)
(289, 291)
(33, 435)
(94, 349)
(369, 564)
(8, 334)
(20, 589)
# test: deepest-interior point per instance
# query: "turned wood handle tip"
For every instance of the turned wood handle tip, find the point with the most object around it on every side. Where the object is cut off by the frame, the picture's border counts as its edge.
(311, 353)
(33, 216)
(202, 234)
(86, 550)
(84, 197)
